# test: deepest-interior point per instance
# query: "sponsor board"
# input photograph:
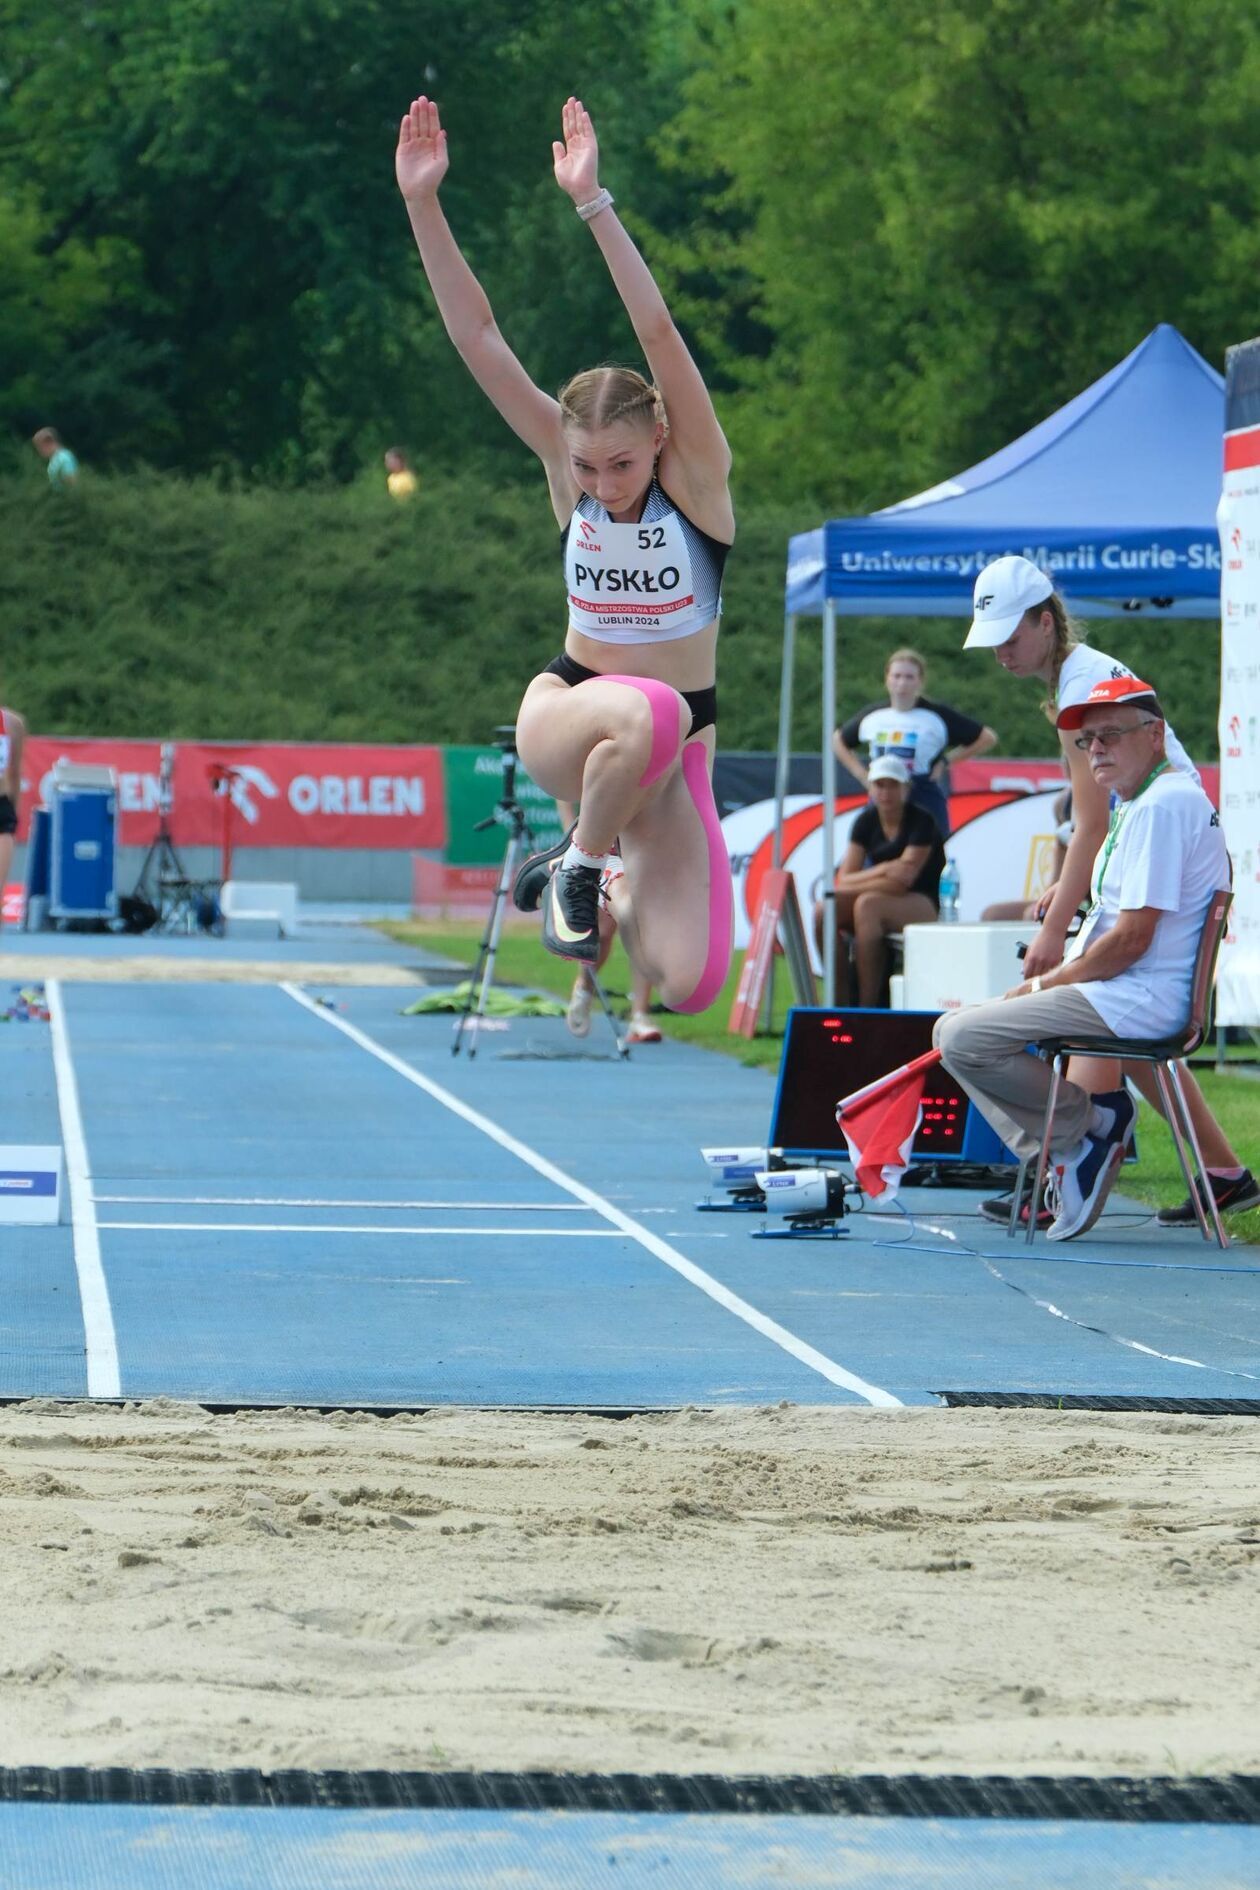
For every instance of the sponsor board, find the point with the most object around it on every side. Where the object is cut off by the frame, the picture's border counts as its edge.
(275, 794)
(1238, 518)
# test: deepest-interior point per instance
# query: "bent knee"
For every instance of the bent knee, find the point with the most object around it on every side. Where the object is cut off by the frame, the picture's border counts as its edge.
(653, 717)
(950, 1034)
(870, 913)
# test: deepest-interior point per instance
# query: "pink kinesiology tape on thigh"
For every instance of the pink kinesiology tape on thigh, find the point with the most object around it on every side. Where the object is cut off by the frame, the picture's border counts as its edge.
(695, 767)
(663, 702)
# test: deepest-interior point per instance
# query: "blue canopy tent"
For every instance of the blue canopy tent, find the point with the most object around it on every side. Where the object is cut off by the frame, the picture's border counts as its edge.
(1115, 495)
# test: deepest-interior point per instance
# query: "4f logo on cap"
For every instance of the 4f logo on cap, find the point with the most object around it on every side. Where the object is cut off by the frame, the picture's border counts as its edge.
(982, 603)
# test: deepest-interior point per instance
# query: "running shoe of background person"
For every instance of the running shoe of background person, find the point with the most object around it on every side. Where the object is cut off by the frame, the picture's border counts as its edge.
(998, 1207)
(1233, 1194)
(641, 1029)
(531, 878)
(1083, 1177)
(570, 909)
(578, 1015)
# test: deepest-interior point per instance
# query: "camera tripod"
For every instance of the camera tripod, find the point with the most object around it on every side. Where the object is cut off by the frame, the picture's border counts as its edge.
(508, 813)
(162, 884)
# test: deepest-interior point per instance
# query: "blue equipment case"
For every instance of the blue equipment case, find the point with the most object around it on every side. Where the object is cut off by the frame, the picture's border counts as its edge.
(83, 824)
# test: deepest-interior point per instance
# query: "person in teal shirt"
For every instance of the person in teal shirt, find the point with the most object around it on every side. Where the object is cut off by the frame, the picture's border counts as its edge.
(63, 467)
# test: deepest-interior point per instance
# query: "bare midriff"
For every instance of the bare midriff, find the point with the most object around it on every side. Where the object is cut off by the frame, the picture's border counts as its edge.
(687, 664)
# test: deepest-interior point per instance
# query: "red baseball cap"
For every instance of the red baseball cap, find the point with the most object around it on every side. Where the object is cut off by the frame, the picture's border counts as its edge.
(1114, 692)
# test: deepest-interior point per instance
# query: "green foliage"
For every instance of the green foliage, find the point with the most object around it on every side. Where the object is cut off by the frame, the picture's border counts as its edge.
(148, 605)
(276, 321)
(947, 220)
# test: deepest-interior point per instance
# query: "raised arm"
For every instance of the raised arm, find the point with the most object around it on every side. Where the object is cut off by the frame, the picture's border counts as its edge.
(420, 165)
(696, 460)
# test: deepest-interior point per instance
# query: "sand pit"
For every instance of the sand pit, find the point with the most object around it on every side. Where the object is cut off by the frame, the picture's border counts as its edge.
(162, 968)
(777, 1590)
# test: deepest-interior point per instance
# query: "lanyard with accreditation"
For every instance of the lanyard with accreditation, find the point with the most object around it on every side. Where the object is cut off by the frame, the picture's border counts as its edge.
(1118, 815)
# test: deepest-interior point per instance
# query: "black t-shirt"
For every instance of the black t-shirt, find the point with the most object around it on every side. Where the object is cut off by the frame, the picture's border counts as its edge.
(917, 736)
(918, 829)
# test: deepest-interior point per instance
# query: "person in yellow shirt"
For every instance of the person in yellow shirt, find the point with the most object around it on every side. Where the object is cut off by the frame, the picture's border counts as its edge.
(399, 478)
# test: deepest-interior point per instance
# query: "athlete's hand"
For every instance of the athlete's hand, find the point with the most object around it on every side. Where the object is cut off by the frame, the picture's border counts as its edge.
(420, 160)
(577, 159)
(1044, 953)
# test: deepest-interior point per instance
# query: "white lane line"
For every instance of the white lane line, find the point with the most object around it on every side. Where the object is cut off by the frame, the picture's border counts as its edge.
(1083, 1325)
(279, 1200)
(98, 1319)
(731, 1302)
(325, 1227)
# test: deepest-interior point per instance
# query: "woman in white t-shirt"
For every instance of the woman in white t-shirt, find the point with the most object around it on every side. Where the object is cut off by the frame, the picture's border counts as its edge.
(926, 735)
(1021, 617)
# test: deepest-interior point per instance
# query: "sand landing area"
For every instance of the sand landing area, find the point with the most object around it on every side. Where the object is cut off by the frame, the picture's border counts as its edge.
(773, 1590)
(34, 967)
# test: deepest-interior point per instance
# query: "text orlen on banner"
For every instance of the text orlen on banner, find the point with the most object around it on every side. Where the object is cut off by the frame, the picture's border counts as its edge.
(283, 794)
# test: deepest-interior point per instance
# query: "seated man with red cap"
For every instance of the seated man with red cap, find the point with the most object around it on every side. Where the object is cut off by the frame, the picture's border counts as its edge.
(1128, 972)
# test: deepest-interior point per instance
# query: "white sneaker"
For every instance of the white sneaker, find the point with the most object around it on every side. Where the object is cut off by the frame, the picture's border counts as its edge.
(578, 1015)
(642, 1029)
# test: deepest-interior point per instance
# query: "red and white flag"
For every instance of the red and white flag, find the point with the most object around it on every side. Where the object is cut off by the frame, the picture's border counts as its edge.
(879, 1123)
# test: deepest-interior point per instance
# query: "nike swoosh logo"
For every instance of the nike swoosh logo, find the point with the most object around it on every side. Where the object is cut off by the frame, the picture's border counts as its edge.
(559, 925)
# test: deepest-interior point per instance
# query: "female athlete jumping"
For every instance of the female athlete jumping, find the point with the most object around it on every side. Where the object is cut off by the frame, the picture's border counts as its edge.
(623, 721)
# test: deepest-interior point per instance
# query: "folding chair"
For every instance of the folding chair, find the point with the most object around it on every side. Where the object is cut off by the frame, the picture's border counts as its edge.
(1163, 1054)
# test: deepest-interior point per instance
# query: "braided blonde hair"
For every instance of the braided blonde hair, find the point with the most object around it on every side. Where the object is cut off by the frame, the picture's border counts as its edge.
(1066, 637)
(602, 396)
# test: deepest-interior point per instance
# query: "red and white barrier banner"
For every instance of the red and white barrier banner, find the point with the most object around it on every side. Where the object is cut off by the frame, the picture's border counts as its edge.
(1238, 516)
(273, 794)
(994, 775)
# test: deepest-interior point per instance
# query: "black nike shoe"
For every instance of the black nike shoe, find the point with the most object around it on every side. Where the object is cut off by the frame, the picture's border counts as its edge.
(1231, 1198)
(998, 1208)
(531, 879)
(570, 910)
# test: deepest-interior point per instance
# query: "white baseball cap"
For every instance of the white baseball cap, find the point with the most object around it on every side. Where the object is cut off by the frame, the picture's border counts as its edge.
(1004, 590)
(888, 768)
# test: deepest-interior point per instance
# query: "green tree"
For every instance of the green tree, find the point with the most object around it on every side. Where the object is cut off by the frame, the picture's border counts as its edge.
(277, 322)
(945, 221)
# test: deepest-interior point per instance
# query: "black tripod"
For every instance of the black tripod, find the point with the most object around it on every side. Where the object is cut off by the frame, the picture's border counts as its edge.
(163, 884)
(508, 813)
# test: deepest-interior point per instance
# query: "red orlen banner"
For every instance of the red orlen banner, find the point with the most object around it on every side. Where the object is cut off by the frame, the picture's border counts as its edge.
(283, 794)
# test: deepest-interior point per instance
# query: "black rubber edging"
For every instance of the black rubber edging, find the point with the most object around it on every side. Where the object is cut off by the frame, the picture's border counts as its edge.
(1089, 1401)
(1229, 1799)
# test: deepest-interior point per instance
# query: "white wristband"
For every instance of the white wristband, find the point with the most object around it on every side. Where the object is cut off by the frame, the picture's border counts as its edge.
(1034, 984)
(586, 211)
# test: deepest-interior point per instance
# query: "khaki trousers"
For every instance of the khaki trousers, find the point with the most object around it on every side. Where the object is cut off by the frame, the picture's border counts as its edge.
(983, 1046)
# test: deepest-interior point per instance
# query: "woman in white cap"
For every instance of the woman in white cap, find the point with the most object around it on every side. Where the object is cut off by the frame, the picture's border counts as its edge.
(889, 878)
(1019, 615)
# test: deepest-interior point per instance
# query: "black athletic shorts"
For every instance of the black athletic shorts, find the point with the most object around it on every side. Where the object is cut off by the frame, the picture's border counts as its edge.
(701, 702)
(8, 815)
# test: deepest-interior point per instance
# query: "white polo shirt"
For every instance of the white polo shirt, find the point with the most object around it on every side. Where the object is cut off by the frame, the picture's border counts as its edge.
(1170, 853)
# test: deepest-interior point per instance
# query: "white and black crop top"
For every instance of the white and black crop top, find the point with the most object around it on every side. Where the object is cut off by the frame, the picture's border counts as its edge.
(644, 583)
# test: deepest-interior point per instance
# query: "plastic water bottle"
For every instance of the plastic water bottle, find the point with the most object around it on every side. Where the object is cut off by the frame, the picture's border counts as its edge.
(951, 886)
